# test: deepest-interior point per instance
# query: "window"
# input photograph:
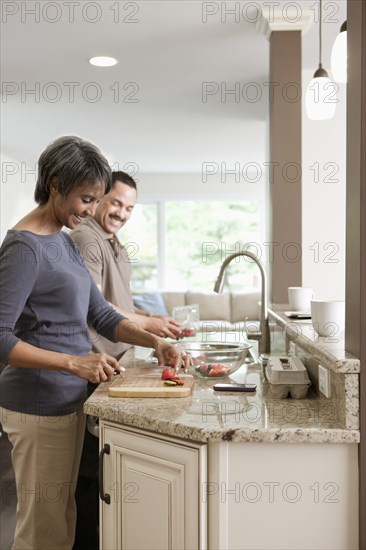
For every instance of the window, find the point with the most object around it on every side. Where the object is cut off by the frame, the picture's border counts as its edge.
(180, 245)
(140, 237)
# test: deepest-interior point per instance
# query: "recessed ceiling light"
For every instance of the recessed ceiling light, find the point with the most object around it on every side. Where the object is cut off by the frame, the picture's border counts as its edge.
(102, 61)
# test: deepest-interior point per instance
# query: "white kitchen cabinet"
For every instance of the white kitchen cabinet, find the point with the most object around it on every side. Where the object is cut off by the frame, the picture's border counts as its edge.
(261, 496)
(154, 485)
(265, 496)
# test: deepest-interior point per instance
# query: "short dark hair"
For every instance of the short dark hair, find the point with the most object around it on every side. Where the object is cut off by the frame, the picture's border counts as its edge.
(72, 160)
(124, 178)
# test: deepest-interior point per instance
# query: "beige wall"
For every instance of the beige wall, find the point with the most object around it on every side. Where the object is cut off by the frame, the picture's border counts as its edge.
(285, 152)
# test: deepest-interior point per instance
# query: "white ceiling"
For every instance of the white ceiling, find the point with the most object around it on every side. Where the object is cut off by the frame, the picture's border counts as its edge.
(168, 53)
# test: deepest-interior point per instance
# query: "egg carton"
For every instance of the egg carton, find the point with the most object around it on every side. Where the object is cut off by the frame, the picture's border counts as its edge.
(287, 375)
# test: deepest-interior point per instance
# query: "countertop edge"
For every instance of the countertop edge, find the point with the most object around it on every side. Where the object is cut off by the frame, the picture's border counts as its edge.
(346, 366)
(209, 435)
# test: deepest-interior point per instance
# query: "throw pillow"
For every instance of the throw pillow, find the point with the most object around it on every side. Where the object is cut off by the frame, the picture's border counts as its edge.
(151, 301)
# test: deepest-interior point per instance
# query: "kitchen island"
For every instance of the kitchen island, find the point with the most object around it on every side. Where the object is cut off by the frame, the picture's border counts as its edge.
(226, 471)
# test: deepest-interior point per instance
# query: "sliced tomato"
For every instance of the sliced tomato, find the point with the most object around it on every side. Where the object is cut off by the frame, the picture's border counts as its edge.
(167, 374)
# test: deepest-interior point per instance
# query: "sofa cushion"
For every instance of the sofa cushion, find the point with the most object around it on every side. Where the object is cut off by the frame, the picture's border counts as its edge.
(173, 299)
(211, 305)
(222, 331)
(215, 325)
(151, 301)
(244, 305)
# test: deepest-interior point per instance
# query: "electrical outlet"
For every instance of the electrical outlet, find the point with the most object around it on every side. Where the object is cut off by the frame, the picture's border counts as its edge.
(324, 380)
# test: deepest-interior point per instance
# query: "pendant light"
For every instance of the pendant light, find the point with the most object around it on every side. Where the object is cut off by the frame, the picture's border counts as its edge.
(339, 56)
(320, 95)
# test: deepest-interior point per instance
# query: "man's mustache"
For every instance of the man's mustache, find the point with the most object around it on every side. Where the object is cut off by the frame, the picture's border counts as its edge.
(122, 220)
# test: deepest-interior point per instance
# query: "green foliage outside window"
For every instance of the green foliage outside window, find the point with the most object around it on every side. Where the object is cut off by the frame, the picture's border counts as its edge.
(140, 236)
(198, 236)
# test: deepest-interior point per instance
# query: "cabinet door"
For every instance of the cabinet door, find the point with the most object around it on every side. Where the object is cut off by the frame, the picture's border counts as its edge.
(155, 489)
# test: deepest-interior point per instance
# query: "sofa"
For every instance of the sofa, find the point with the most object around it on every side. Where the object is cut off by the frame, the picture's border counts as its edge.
(229, 312)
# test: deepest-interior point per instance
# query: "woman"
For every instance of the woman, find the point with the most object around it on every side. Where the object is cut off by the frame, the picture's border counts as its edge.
(47, 300)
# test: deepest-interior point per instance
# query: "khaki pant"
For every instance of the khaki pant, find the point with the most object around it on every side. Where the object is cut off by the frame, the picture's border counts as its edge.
(45, 456)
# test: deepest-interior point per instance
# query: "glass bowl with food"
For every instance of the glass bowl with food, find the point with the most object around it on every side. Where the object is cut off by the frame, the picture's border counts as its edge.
(216, 359)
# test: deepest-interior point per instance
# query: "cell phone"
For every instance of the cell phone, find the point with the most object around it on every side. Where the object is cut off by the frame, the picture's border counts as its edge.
(235, 387)
(298, 314)
(301, 316)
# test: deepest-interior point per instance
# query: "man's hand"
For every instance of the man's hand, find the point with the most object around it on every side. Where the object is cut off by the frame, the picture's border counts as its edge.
(162, 326)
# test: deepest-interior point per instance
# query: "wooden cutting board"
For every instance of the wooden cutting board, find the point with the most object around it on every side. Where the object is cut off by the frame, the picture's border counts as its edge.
(149, 385)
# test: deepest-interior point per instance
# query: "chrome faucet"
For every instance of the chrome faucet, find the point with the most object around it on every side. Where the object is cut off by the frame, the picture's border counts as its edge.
(263, 335)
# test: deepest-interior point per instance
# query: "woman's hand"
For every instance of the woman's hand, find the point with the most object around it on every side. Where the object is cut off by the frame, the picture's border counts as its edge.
(129, 332)
(172, 355)
(95, 367)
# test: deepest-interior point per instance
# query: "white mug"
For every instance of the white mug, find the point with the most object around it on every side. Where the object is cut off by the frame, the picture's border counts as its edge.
(299, 298)
(328, 318)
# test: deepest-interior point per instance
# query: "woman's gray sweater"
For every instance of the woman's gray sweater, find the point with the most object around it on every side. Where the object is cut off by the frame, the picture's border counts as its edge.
(47, 299)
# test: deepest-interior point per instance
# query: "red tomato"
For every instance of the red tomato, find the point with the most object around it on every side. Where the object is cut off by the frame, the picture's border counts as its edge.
(214, 372)
(167, 374)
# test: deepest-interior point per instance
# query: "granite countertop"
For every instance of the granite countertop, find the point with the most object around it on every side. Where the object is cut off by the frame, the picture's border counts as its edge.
(330, 351)
(208, 416)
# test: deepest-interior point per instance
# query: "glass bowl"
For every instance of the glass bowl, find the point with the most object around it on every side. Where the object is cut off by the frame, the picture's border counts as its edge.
(215, 359)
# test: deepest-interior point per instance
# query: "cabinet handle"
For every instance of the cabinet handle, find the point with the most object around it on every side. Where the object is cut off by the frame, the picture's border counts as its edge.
(104, 496)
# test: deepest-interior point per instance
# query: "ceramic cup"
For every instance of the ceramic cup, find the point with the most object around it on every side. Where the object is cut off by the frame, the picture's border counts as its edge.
(328, 318)
(299, 298)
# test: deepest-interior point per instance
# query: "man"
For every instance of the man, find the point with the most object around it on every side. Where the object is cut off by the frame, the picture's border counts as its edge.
(108, 263)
